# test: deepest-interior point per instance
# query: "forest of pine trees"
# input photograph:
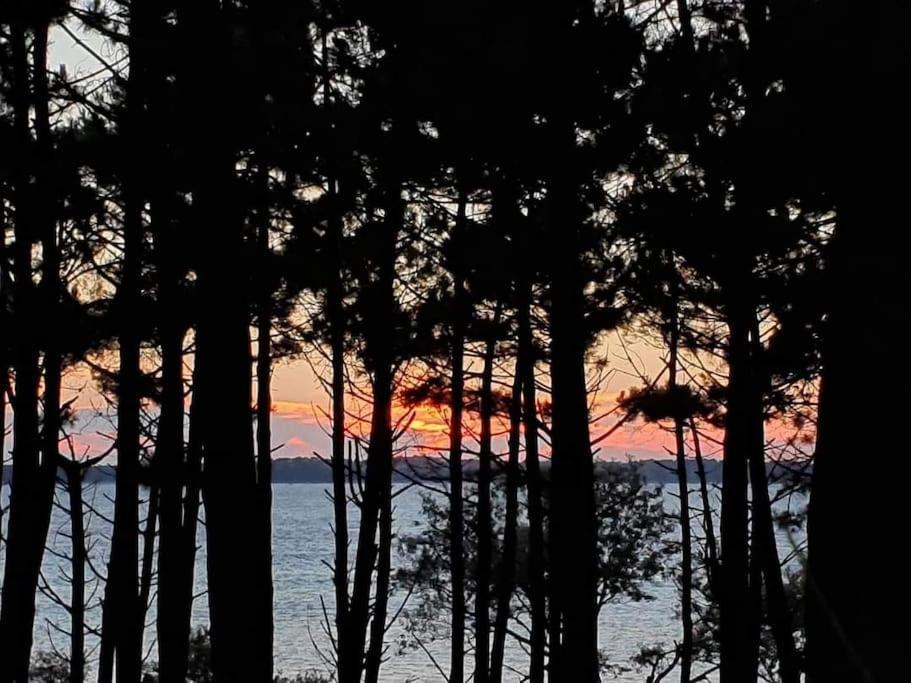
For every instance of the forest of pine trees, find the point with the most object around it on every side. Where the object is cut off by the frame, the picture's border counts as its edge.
(454, 204)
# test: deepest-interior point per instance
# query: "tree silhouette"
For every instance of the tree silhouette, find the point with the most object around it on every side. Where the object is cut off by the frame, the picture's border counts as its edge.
(453, 208)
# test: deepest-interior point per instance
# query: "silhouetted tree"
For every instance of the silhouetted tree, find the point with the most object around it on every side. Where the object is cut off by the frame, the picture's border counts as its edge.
(35, 448)
(849, 64)
(222, 384)
(451, 205)
(122, 621)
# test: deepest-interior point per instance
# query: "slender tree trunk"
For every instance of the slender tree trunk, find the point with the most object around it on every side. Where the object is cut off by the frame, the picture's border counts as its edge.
(336, 315)
(33, 476)
(506, 579)
(766, 555)
(124, 640)
(456, 495)
(123, 572)
(171, 470)
(122, 592)
(683, 490)
(176, 556)
(381, 601)
(765, 548)
(339, 493)
(147, 567)
(686, 574)
(684, 16)
(51, 289)
(749, 387)
(737, 652)
(708, 522)
(379, 462)
(186, 561)
(379, 455)
(536, 563)
(485, 530)
(106, 646)
(74, 476)
(264, 441)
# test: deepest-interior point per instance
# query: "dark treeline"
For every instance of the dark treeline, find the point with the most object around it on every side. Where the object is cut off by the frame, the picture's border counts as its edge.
(408, 469)
(454, 206)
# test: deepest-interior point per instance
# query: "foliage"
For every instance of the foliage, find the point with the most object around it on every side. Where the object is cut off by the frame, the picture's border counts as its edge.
(50, 667)
(633, 551)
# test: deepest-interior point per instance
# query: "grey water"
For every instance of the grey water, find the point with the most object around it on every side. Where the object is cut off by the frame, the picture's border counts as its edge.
(303, 549)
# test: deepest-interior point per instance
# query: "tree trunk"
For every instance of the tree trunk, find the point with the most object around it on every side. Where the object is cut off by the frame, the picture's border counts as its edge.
(506, 579)
(379, 455)
(106, 646)
(74, 474)
(122, 591)
(737, 651)
(222, 387)
(375, 649)
(708, 522)
(171, 470)
(684, 16)
(854, 578)
(456, 495)
(264, 441)
(683, 491)
(176, 558)
(573, 531)
(536, 563)
(336, 318)
(339, 493)
(147, 568)
(379, 465)
(232, 527)
(186, 561)
(173, 638)
(767, 555)
(33, 475)
(485, 531)
(766, 548)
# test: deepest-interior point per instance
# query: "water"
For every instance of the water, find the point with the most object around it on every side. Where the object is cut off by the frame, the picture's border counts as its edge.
(303, 547)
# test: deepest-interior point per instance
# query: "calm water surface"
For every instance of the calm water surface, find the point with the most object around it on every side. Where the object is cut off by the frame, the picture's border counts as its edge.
(303, 547)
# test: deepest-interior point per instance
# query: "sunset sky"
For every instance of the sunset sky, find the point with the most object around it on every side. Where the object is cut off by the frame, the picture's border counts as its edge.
(301, 405)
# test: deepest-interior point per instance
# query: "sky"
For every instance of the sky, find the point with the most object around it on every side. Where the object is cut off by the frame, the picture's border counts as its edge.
(300, 414)
(299, 418)
(301, 407)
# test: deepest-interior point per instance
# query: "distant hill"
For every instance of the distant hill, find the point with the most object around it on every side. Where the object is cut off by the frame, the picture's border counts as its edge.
(315, 471)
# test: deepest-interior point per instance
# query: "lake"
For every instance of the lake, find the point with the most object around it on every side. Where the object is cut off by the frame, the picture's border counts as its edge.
(302, 547)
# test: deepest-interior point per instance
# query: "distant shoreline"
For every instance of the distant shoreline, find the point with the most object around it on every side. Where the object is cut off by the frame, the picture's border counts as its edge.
(315, 471)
